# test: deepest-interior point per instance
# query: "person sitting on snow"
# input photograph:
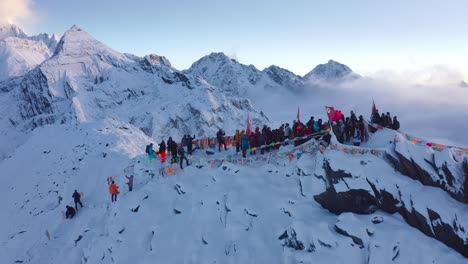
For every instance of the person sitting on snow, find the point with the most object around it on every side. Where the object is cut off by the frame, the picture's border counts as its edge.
(70, 213)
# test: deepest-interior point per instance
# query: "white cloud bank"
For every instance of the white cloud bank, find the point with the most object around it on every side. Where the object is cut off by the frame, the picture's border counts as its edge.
(434, 108)
(12, 10)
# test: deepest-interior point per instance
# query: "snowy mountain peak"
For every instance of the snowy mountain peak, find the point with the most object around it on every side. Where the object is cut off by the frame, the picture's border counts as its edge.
(222, 71)
(332, 71)
(75, 27)
(284, 77)
(10, 30)
(77, 43)
(219, 56)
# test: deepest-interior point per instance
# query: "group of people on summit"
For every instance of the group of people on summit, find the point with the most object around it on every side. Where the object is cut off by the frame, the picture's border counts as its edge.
(177, 151)
(269, 139)
(353, 129)
(347, 129)
(385, 120)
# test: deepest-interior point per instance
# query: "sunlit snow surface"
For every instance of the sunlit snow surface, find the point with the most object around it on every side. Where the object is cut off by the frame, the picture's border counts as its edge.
(232, 214)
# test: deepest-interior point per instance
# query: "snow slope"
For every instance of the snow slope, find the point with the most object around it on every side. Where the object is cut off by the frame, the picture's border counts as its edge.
(228, 215)
(88, 111)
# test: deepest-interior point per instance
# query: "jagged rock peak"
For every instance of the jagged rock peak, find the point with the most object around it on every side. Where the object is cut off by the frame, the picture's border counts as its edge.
(11, 30)
(278, 70)
(154, 59)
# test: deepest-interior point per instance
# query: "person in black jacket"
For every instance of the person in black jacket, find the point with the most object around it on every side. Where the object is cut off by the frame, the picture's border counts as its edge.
(70, 213)
(182, 157)
(173, 149)
(77, 198)
(162, 146)
(189, 144)
(396, 123)
(220, 137)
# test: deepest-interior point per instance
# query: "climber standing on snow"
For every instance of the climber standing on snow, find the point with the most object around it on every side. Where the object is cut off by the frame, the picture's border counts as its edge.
(129, 183)
(221, 141)
(244, 144)
(150, 152)
(182, 157)
(189, 144)
(237, 139)
(77, 198)
(114, 190)
(357, 136)
(162, 151)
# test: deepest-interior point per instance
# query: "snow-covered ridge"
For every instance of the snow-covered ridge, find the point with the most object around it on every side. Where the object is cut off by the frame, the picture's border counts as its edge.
(20, 53)
(235, 213)
(220, 70)
(86, 81)
(332, 71)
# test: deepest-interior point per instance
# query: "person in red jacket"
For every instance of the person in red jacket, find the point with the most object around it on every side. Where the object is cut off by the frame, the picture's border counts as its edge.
(114, 190)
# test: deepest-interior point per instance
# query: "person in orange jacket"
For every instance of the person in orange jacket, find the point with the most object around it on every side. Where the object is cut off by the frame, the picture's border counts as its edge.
(114, 190)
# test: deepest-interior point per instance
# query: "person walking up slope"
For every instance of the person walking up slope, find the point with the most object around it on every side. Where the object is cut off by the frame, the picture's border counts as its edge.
(114, 190)
(130, 182)
(77, 198)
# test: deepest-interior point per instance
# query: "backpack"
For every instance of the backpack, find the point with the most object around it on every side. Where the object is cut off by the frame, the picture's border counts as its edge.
(147, 149)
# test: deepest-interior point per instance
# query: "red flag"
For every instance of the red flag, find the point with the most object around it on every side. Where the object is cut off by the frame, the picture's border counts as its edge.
(333, 115)
(249, 125)
(374, 108)
(338, 116)
(298, 115)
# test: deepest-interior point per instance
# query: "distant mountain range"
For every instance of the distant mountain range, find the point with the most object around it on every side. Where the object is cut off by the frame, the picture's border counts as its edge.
(80, 79)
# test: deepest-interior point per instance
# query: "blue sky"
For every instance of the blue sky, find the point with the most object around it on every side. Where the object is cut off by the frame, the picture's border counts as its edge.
(366, 35)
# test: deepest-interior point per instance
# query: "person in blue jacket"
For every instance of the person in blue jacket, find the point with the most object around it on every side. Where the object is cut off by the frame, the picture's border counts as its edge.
(244, 143)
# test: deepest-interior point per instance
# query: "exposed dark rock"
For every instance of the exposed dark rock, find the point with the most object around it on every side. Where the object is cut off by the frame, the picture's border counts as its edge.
(396, 253)
(361, 201)
(335, 176)
(136, 209)
(251, 214)
(78, 239)
(384, 199)
(413, 170)
(355, 239)
(324, 244)
(355, 201)
(446, 233)
(177, 211)
(311, 247)
(290, 239)
(377, 219)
